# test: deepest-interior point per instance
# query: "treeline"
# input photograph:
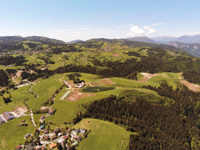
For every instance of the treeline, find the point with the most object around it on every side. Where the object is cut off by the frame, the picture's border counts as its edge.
(158, 60)
(158, 127)
(4, 79)
(10, 60)
(11, 46)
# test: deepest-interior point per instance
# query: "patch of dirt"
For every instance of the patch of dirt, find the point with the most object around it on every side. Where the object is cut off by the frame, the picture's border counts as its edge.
(92, 84)
(147, 76)
(116, 55)
(106, 81)
(44, 107)
(191, 86)
(18, 111)
(19, 72)
(75, 96)
(76, 90)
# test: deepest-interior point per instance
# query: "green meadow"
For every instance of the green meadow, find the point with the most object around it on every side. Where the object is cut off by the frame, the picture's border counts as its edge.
(12, 135)
(103, 135)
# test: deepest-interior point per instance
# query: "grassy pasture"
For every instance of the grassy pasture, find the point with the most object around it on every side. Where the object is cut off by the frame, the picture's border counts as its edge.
(103, 135)
(17, 98)
(12, 135)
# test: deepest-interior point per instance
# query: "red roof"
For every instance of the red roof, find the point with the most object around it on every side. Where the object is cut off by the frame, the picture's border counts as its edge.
(65, 137)
(18, 147)
(52, 145)
(68, 130)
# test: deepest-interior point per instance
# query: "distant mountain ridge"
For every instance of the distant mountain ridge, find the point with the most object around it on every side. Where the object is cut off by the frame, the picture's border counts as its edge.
(167, 39)
(189, 39)
(142, 39)
(164, 39)
(192, 49)
(190, 44)
(74, 41)
(18, 39)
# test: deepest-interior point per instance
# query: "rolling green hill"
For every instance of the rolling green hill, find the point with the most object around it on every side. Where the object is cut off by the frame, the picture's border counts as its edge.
(119, 75)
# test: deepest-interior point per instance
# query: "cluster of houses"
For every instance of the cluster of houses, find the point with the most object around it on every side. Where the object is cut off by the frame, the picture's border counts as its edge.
(70, 138)
(62, 138)
(79, 84)
(6, 116)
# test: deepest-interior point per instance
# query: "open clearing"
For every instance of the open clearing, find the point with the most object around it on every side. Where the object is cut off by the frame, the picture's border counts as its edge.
(116, 55)
(106, 81)
(12, 135)
(74, 96)
(103, 135)
(191, 86)
(147, 76)
(92, 84)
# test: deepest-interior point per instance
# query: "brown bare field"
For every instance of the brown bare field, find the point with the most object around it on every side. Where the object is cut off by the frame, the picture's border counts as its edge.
(20, 110)
(92, 84)
(76, 90)
(191, 86)
(106, 81)
(75, 96)
(147, 76)
(116, 55)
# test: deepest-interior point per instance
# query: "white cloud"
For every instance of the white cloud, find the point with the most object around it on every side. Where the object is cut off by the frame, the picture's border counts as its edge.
(150, 30)
(137, 31)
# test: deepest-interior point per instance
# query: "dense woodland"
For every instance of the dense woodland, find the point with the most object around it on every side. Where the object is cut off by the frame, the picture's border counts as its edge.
(4, 79)
(167, 122)
(159, 127)
(158, 59)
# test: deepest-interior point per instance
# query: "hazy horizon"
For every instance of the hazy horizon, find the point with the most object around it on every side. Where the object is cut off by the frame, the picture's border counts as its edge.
(70, 20)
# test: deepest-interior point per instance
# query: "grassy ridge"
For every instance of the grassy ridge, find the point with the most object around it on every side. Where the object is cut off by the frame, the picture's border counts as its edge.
(103, 135)
(12, 135)
(66, 111)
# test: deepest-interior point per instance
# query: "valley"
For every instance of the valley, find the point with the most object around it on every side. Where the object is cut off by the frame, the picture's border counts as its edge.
(62, 88)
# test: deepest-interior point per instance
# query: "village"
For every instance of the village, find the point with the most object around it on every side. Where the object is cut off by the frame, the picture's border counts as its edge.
(46, 138)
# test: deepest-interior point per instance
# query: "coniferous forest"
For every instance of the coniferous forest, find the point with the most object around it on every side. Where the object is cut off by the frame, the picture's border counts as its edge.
(175, 126)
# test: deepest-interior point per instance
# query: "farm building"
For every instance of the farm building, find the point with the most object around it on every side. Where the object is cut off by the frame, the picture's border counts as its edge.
(83, 131)
(65, 137)
(30, 147)
(8, 116)
(40, 148)
(42, 126)
(2, 120)
(27, 136)
(80, 85)
(57, 130)
(75, 143)
(51, 112)
(69, 130)
(18, 147)
(52, 145)
(65, 95)
(78, 138)
(46, 137)
(53, 137)
(75, 132)
(46, 131)
(42, 117)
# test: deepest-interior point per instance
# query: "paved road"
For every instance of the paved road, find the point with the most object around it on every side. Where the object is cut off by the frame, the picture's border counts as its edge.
(32, 119)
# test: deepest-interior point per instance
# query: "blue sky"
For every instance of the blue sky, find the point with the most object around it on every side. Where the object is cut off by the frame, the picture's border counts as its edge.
(85, 19)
